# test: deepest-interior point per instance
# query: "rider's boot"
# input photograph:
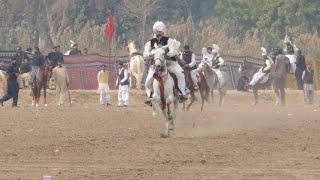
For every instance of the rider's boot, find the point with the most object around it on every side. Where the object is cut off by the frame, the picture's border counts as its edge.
(148, 102)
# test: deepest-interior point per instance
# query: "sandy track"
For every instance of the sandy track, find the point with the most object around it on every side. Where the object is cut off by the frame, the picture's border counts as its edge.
(87, 141)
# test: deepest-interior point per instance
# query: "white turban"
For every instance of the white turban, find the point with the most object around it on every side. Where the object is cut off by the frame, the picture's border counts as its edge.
(72, 43)
(159, 26)
(215, 48)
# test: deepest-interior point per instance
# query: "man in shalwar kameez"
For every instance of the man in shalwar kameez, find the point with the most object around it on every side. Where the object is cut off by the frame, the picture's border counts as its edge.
(62, 82)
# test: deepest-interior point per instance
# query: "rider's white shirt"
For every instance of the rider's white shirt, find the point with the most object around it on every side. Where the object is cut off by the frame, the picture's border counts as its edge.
(172, 52)
(208, 57)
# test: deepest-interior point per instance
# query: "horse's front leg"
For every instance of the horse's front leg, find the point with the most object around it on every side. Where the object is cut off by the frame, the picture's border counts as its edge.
(212, 96)
(192, 99)
(34, 92)
(45, 95)
(221, 93)
(131, 80)
(255, 94)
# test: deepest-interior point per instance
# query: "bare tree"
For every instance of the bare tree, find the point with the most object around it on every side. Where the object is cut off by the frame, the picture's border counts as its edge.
(141, 10)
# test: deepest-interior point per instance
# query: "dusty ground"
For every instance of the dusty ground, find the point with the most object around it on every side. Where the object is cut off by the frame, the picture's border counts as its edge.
(88, 141)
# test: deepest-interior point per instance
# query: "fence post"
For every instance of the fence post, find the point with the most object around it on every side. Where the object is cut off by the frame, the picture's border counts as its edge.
(81, 77)
(232, 77)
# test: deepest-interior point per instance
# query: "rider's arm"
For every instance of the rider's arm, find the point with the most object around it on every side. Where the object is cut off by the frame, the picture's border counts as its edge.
(221, 61)
(193, 60)
(173, 46)
(147, 49)
(204, 51)
(268, 66)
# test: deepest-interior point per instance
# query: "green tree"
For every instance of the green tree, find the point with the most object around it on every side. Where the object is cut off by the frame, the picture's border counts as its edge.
(272, 18)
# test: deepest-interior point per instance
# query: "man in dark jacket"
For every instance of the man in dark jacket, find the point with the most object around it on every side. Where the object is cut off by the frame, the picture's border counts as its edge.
(301, 66)
(20, 56)
(307, 77)
(55, 56)
(13, 86)
(283, 67)
(37, 63)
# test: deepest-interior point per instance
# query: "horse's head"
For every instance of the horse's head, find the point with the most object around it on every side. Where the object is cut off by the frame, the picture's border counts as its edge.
(159, 57)
(160, 53)
(132, 47)
(204, 66)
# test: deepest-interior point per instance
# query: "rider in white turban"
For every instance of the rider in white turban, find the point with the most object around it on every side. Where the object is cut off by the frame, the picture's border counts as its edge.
(159, 39)
(265, 70)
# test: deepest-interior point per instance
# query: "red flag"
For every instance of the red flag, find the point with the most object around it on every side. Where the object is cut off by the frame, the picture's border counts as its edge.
(109, 28)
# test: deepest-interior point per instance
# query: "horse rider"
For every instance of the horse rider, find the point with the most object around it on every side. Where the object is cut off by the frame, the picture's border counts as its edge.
(37, 62)
(189, 60)
(13, 86)
(55, 57)
(160, 39)
(289, 47)
(265, 70)
(20, 56)
(207, 55)
(24, 73)
(217, 62)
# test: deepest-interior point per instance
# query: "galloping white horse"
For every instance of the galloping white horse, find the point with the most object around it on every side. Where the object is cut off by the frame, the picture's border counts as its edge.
(136, 65)
(163, 87)
(3, 81)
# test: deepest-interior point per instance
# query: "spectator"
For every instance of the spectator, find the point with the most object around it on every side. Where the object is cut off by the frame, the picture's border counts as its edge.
(123, 83)
(75, 50)
(62, 82)
(301, 66)
(103, 79)
(307, 77)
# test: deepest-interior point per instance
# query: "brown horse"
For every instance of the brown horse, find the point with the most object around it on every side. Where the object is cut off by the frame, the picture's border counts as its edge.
(39, 83)
(208, 81)
(190, 86)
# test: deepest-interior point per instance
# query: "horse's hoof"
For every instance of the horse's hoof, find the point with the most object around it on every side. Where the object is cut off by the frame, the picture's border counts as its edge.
(46, 105)
(154, 114)
(37, 105)
(164, 135)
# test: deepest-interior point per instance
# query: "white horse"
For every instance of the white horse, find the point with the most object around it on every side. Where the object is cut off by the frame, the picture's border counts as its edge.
(293, 60)
(163, 88)
(136, 65)
(3, 81)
